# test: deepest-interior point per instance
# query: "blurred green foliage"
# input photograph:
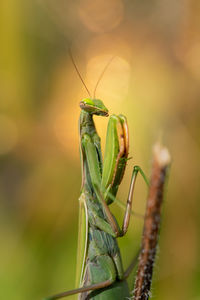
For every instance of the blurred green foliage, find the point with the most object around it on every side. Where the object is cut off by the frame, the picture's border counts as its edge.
(154, 80)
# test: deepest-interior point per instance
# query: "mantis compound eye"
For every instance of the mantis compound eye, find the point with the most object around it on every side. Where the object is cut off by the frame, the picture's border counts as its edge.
(94, 106)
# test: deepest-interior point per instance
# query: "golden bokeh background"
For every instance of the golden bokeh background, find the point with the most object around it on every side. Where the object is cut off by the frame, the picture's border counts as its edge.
(153, 79)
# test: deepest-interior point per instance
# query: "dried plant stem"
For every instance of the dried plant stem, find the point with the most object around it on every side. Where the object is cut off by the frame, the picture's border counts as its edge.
(161, 161)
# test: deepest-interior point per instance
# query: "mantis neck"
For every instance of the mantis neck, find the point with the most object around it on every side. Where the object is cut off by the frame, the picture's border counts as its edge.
(86, 127)
(86, 124)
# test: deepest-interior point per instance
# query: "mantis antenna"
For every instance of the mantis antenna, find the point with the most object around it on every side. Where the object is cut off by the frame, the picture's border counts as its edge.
(79, 74)
(102, 73)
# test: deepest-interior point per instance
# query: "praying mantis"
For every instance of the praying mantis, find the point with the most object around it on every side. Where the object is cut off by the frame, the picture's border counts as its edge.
(100, 273)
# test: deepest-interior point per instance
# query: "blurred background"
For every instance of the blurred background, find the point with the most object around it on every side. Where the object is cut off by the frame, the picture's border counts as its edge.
(154, 80)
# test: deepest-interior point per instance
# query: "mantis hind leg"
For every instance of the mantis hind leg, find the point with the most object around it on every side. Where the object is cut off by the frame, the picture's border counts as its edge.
(83, 289)
(99, 274)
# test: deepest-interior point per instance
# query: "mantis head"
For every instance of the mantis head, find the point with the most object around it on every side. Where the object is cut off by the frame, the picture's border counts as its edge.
(94, 107)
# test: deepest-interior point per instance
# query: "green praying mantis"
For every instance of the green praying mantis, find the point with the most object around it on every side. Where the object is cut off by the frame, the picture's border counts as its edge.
(100, 273)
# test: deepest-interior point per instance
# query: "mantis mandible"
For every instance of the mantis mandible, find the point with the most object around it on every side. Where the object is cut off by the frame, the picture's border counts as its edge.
(100, 274)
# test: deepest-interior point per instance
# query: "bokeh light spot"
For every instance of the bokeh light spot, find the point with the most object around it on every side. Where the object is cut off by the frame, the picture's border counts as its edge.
(101, 16)
(192, 59)
(114, 84)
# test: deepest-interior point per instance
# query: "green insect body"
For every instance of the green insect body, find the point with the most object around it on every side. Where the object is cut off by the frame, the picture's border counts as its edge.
(100, 274)
(102, 259)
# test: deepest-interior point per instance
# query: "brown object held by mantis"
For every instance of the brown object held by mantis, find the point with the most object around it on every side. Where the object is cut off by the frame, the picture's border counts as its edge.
(161, 161)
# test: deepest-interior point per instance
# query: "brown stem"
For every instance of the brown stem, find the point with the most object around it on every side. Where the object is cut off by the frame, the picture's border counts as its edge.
(161, 161)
